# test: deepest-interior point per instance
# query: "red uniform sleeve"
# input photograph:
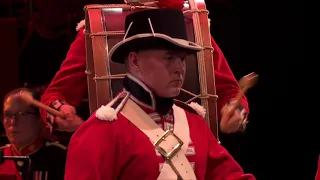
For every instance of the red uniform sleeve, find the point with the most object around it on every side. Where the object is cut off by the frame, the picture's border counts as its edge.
(318, 170)
(70, 82)
(226, 84)
(221, 165)
(92, 151)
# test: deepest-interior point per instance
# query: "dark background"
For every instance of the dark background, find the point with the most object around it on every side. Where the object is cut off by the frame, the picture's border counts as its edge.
(265, 37)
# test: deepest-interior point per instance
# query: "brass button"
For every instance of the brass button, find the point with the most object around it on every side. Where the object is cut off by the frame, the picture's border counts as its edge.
(20, 163)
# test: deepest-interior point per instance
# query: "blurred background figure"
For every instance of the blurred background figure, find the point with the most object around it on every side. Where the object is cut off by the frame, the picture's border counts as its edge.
(28, 136)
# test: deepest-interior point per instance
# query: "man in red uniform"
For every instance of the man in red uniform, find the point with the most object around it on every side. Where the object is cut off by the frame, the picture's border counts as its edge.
(25, 131)
(143, 133)
(69, 85)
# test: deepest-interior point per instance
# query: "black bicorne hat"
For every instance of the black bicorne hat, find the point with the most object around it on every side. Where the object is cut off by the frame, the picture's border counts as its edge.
(153, 29)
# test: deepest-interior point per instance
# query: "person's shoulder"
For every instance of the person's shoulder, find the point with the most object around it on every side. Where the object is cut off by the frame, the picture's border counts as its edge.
(110, 112)
(55, 145)
(192, 109)
(102, 126)
(107, 115)
(43, 155)
(81, 30)
(2, 148)
(80, 38)
(81, 26)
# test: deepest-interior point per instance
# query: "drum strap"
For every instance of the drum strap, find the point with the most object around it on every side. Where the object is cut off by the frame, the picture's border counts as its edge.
(171, 144)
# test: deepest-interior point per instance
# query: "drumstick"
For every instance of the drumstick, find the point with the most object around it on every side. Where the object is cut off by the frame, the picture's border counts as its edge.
(27, 97)
(245, 83)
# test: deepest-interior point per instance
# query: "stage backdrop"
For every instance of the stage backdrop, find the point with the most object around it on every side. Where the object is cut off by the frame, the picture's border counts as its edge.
(8, 59)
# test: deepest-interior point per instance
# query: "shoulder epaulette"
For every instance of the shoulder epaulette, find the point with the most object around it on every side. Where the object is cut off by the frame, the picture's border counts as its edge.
(80, 25)
(5, 146)
(109, 112)
(192, 107)
(57, 144)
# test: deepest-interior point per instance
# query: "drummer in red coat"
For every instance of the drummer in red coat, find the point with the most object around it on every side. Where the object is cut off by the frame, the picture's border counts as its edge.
(143, 133)
(69, 85)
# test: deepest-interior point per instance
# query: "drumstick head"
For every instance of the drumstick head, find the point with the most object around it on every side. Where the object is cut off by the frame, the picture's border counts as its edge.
(248, 81)
(26, 96)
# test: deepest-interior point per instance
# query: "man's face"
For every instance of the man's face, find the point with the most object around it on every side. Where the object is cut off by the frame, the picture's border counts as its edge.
(161, 70)
(20, 121)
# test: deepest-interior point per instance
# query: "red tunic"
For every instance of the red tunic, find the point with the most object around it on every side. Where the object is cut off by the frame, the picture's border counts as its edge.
(117, 149)
(318, 171)
(70, 82)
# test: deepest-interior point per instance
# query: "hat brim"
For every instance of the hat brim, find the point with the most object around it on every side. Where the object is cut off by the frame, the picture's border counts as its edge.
(120, 51)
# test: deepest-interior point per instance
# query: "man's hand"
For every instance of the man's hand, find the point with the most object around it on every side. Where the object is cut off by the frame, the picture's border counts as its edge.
(231, 122)
(71, 122)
